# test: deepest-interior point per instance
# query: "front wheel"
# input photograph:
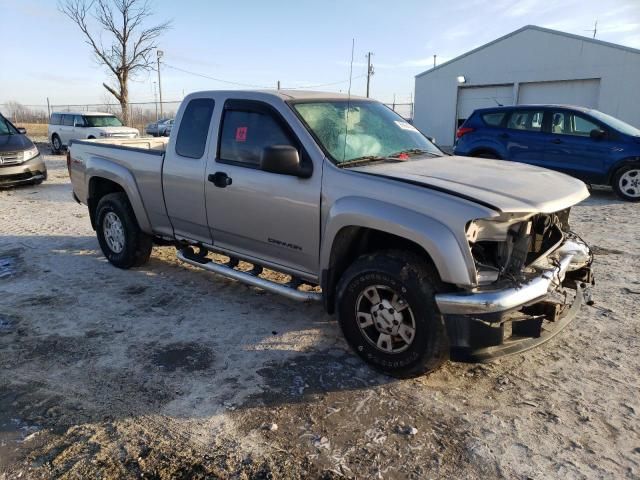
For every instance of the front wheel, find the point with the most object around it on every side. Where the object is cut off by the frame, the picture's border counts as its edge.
(626, 183)
(119, 236)
(387, 311)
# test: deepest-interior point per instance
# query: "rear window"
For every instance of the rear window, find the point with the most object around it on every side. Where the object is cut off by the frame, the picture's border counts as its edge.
(55, 119)
(194, 127)
(493, 119)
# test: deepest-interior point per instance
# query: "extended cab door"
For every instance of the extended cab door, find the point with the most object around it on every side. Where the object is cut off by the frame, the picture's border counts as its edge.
(270, 217)
(183, 171)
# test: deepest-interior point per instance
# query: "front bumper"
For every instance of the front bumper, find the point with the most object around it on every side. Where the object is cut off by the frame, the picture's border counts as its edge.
(31, 171)
(571, 255)
(484, 324)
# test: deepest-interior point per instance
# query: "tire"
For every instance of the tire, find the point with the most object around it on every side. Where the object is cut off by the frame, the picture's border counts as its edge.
(626, 182)
(56, 144)
(396, 351)
(121, 240)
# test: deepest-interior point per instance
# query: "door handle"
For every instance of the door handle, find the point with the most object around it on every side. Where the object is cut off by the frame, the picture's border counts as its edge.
(556, 140)
(504, 135)
(220, 179)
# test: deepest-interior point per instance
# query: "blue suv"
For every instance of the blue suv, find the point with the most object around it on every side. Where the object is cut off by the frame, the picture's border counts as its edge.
(585, 143)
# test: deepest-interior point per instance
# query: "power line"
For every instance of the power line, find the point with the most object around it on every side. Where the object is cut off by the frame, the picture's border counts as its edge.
(325, 84)
(215, 79)
(257, 86)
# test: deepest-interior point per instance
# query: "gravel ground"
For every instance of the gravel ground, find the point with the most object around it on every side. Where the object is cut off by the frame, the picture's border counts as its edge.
(169, 372)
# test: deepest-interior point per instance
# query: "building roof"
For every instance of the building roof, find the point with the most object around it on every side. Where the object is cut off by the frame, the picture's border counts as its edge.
(540, 29)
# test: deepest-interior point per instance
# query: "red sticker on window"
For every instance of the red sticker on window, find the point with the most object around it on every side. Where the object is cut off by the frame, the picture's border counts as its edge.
(241, 134)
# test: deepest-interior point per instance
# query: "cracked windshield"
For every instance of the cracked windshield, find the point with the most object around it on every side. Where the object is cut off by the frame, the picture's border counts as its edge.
(351, 132)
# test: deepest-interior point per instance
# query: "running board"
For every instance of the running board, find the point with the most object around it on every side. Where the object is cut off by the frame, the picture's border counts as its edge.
(189, 257)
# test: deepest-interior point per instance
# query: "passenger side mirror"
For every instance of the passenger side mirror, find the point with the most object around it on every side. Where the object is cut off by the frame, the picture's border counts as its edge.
(283, 159)
(22, 130)
(597, 134)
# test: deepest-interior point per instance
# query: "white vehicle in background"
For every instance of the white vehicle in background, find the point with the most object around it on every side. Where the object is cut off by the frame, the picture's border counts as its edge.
(67, 126)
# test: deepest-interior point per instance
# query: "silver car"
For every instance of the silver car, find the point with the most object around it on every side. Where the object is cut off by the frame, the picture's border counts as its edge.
(161, 128)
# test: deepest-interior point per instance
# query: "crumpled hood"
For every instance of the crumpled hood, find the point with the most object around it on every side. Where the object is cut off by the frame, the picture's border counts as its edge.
(506, 186)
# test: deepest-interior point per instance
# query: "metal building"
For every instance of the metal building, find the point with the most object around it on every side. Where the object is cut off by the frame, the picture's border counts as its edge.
(528, 66)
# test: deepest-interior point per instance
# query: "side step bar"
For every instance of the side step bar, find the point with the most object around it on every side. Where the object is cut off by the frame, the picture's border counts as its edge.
(187, 256)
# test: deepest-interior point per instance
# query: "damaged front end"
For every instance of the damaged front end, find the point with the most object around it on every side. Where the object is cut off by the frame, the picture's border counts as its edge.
(532, 276)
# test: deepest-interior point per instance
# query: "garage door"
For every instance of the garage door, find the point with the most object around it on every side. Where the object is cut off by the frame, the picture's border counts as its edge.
(571, 92)
(471, 98)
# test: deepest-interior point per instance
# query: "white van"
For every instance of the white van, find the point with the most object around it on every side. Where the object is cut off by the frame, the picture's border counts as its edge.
(66, 126)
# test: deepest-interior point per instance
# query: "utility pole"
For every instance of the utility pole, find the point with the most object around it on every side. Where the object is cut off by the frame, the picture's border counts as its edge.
(278, 84)
(155, 98)
(434, 61)
(369, 71)
(159, 53)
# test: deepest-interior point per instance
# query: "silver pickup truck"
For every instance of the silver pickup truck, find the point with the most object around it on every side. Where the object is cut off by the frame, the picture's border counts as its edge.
(422, 255)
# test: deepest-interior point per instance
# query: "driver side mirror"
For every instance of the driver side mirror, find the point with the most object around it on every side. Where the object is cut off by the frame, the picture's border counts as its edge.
(285, 160)
(22, 130)
(597, 134)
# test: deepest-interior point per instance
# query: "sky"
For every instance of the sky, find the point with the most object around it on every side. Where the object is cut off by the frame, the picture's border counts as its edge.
(300, 43)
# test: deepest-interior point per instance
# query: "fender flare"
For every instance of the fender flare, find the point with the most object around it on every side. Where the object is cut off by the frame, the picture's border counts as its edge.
(103, 168)
(452, 260)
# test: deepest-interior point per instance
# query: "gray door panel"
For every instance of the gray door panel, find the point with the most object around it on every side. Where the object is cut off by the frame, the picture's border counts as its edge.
(266, 215)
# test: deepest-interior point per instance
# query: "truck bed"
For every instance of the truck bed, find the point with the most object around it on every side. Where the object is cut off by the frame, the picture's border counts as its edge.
(149, 145)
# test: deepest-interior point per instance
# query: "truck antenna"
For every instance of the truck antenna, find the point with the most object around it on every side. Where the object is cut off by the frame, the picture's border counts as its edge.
(346, 122)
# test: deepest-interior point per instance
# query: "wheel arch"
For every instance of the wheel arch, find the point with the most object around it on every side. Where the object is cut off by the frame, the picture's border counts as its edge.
(105, 177)
(619, 164)
(490, 150)
(379, 226)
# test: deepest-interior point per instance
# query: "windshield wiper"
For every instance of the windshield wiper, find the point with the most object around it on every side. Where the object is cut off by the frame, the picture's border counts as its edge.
(413, 151)
(360, 160)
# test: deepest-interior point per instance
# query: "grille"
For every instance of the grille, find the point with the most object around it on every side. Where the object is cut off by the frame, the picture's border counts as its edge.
(10, 158)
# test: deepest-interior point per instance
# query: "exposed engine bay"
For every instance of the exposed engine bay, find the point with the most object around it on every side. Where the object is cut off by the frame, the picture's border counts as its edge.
(510, 246)
(511, 251)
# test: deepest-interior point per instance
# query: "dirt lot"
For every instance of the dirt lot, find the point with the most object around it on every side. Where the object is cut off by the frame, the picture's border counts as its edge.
(169, 372)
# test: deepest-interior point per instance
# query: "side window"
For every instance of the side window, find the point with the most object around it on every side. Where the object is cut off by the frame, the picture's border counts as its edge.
(78, 121)
(67, 120)
(582, 126)
(194, 128)
(493, 119)
(528, 120)
(567, 123)
(246, 133)
(55, 119)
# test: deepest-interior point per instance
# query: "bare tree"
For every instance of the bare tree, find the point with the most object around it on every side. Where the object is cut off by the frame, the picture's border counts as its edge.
(131, 42)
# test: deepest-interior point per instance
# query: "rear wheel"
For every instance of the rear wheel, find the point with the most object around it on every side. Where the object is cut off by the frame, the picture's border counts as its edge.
(387, 312)
(626, 182)
(56, 144)
(119, 236)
